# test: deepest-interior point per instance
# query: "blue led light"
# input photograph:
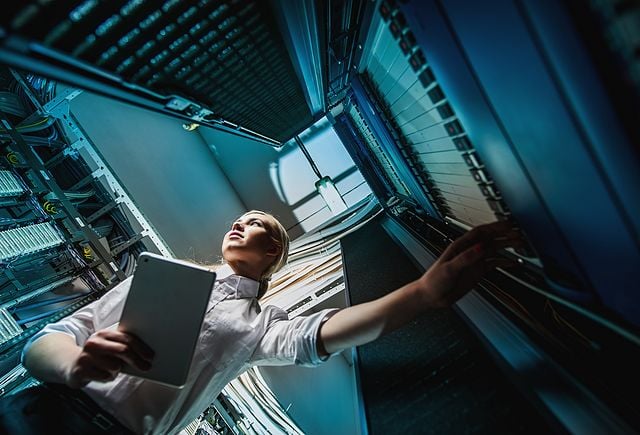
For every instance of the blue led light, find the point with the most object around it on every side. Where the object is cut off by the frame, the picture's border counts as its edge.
(83, 10)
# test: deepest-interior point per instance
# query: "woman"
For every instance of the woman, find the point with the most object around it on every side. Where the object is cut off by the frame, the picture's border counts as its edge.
(80, 357)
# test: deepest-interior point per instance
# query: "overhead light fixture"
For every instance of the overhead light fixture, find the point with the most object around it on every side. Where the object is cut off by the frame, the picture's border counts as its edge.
(331, 196)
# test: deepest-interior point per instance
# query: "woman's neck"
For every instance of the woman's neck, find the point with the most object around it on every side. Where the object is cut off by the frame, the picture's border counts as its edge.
(246, 270)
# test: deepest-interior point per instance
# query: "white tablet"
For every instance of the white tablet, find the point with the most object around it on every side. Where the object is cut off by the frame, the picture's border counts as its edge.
(165, 309)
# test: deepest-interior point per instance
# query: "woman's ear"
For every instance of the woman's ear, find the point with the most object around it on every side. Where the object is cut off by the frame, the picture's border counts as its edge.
(273, 250)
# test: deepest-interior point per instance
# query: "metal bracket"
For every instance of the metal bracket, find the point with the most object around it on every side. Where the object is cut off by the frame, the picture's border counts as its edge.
(59, 106)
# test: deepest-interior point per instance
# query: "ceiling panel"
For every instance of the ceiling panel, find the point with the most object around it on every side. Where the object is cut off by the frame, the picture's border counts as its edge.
(227, 56)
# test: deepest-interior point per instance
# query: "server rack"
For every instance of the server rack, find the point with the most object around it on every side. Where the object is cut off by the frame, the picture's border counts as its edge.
(69, 231)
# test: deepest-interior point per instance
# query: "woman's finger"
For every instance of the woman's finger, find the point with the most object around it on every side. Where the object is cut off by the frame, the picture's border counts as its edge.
(462, 262)
(477, 260)
(122, 351)
(107, 363)
(479, 234)
(501, 243)
(137, 345)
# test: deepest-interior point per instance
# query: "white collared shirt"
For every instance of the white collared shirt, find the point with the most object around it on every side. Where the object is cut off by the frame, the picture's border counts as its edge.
(235, 336)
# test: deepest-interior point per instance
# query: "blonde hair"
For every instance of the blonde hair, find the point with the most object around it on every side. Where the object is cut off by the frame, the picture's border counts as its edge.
(280, 238)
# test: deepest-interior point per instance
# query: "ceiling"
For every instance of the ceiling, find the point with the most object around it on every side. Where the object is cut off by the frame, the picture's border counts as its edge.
(226, 56)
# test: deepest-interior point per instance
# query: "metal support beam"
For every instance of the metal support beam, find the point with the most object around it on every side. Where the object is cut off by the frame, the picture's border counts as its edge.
(308, 156)
(86, 180)
(31, 56)
(298, 21)
(220, 409)
(104, 210)
(125, 245)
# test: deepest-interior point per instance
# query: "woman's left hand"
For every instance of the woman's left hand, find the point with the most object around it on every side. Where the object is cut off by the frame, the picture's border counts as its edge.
(464, 262)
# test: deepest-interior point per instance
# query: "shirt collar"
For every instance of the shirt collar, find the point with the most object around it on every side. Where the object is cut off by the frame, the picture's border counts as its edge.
(244, 287)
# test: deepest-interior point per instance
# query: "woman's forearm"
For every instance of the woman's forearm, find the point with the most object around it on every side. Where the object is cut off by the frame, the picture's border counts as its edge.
(49, 358)
(360, 324)
(456, 271)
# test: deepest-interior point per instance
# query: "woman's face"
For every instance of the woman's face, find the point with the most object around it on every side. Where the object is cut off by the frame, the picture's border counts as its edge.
(249, 240)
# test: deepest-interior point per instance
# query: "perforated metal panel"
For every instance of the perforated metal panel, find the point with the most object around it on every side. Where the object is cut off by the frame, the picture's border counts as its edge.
(426, 127)
(28, 239)
(227, 55)
(9, 184)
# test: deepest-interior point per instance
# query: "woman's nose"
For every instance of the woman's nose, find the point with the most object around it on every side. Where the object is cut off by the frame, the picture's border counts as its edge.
(237, 226)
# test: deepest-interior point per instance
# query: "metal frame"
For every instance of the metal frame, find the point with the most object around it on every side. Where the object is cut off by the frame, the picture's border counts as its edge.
(345, 130)
(340, 70)
(219, 408)
(484, 128)
(59, 108)
(562, 396)
(576, 75)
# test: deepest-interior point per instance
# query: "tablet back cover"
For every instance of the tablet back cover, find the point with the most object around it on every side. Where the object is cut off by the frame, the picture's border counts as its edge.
(165, 309)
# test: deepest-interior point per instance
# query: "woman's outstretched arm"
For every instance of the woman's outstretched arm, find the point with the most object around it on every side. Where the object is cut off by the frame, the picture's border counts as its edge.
(456, 271)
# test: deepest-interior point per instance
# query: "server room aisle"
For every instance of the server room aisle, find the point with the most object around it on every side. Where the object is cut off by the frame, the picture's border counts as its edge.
(432, 376)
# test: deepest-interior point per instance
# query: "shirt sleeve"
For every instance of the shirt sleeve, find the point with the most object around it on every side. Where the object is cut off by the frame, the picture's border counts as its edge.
(101, 314)
(290, 341)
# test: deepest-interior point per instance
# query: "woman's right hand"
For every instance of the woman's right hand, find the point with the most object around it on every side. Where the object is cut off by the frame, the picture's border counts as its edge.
(103, 356)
